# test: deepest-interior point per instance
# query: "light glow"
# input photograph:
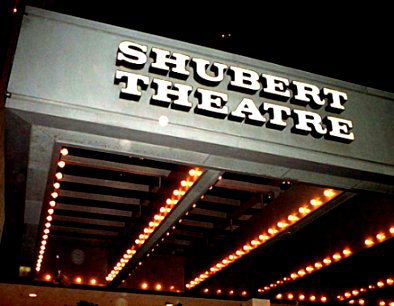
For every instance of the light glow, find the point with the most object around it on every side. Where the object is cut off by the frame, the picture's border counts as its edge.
(184, 185)
(277, 227)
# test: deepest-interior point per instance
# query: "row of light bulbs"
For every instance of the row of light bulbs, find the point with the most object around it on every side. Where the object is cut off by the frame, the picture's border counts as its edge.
(301, 297)
(265, 236)
(228, 292)
(171, 202)
(52, 203)
(157, 287)
(358, 291)
(77, 280)
(309, 269)
(386, 302)
(351, 295)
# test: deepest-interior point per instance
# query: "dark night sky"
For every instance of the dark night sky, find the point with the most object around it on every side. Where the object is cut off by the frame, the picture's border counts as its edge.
(350, 44)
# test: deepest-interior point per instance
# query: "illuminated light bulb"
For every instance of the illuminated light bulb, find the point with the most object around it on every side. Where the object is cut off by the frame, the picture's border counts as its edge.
(391, 304)
(156, 217)
(78, 280)
(329, 193)
(176, 192)
(47, 225)
(192, 172)
(369, 242)
(272, 231)
(41, 252)
(45, 237)
(389, 281)
(301, 272)
(391, 230)
(294, 275)
(141, 236)
(194, 205)
(339, 297)
(312, 298)
(231, 257)
(327, 261)
(382, 303)
(64, 152)
(206, 290)
(381, 236)
(54, 194)
(187, 286)
(137, 241)
(56, 185)
(128, 251)
(363, 290)
(361, 302)
(59, 176)
(315, 202)
(292, 218)
(61, 163)
(52, 203)
(302, 210)
(231, 292)
(279, 296)
(239, 253)
(48, 277)
(183, 183)
(371, 287)
(199, 172)
(244, 293)
(346, 252)
(219, 291)
(323, 299)
(282, 224)
(309, 269)
(380, 284)
(254, 242)
(347, 294)
(263, 237)
(290, 296)
(163, 209)
(246, 248)
(50, 211)
(336, 256)
(301, 297)
(169, 201)
(49, 218)
(93, 281)
(355, 292)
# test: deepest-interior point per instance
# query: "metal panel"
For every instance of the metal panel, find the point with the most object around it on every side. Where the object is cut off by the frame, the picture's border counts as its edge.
(99, 197)
(95, 210)
(104, 183)
(49, 101)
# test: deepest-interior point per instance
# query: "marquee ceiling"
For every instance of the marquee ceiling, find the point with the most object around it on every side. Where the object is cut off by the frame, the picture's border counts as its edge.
(115, 221)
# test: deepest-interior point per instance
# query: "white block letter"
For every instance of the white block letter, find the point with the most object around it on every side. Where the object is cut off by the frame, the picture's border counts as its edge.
(165, 62)
(131, 55)
(211, 103)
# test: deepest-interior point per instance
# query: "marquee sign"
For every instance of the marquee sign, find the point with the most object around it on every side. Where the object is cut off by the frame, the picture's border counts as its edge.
(295, 99)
